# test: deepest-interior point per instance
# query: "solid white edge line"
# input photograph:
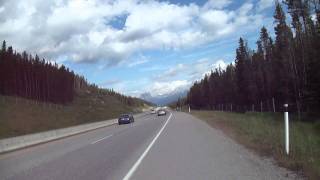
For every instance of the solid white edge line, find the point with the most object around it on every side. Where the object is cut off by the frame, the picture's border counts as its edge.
(102, 139)
(135, 166)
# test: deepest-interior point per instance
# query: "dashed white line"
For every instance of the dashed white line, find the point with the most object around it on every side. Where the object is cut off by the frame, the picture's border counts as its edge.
(102, 139)
(135, 166)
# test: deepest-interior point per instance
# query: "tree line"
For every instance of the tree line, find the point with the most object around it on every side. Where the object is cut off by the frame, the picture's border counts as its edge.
(128, 100)
(24, 75)
(27, 76)
(284, 69)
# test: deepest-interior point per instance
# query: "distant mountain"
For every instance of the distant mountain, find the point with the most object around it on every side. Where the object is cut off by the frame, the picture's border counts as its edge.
(163, 99)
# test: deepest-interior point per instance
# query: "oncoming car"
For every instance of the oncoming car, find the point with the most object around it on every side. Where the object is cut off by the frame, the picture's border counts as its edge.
(125, 119)
(161, 112)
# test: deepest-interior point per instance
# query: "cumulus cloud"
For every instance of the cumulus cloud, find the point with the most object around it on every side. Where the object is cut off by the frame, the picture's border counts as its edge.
(220, 64)
(83, 31)
(219, 4)
(138, 62)
(200, 68)
(191, 71)
(264, 4)
(168, 87)
(169, 82)
(141, 59)
(171, 72)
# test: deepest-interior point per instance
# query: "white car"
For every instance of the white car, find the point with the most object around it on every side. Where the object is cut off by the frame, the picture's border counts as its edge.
(153, 111)
(162, 112)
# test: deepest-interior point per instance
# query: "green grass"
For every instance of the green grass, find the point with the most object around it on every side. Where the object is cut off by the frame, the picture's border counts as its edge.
(264, 132)
(20, 116)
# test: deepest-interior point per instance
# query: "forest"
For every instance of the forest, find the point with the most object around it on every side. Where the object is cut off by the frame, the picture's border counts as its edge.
(282, 70)
(27, 76)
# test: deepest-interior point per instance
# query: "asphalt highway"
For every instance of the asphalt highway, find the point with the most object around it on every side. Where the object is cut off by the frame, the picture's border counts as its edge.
(175, 146)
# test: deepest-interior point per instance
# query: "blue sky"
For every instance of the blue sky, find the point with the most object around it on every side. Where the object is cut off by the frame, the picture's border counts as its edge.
(136, 46)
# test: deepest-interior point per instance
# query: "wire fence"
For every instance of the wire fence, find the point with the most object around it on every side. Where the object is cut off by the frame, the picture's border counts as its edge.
(270, 105)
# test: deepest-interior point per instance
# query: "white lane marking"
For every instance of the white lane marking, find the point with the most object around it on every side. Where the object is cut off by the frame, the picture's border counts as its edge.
(102, 139)
(135, 166)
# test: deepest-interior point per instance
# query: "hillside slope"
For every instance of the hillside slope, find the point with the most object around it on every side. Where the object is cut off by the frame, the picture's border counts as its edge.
(20, 116)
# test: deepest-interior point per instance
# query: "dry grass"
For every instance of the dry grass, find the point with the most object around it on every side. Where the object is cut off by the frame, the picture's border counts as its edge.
(20, 116)
(264, 133)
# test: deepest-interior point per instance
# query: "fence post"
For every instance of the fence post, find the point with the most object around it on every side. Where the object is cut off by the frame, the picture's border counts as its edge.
(286, 123)
(274, 106)
(189, 109)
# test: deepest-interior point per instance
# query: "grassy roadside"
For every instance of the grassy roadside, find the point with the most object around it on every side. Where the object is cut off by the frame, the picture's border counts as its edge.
(20, 116)
(264, 133)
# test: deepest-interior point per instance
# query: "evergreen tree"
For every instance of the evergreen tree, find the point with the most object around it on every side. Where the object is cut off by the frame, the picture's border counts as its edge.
(284, 71)
(242, 75)
(283, 55)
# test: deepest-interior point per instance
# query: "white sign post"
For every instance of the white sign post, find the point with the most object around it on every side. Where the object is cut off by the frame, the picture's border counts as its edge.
(286, 124)
(189, 109)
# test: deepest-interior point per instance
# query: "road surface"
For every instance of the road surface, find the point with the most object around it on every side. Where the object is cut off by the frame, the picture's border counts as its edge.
(175, 146)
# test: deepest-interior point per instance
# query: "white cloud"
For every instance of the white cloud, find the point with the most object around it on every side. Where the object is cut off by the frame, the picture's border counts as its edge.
(167, 82)
(155, 16)
(170, 81)
(164, 88)
(140, 60)
(171, 72)
(82, 31)
(264, 4)
(153, 67)
(217, 4)
(217, 22)
(220, 64)
(245, 9)
(191, 71)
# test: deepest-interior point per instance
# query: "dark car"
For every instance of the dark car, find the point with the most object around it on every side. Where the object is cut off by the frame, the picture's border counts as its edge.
(125, 119)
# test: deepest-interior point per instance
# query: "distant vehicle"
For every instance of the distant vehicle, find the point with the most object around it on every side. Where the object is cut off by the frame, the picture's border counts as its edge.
(125, 119)
(162, 112)
(153, 111)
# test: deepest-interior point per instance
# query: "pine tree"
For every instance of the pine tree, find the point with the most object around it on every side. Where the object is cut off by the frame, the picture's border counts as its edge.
(283, 56)
(242, 75)
(4, 47)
